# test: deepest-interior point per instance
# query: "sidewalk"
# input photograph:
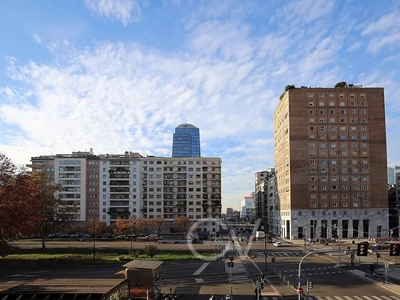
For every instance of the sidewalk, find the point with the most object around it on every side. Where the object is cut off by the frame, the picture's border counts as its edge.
(393, 272)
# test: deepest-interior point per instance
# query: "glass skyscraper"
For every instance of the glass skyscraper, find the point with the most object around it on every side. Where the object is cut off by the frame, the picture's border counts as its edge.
(186, 141)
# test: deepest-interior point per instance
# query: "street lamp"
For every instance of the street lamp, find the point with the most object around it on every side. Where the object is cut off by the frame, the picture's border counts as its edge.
(338, 233)
(265, 246)
(94, 239)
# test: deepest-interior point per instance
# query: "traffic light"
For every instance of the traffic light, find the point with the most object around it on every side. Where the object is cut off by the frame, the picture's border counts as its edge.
(230, 264)
(310, 284)
(394, 249)
(261, 285)
(362, 249)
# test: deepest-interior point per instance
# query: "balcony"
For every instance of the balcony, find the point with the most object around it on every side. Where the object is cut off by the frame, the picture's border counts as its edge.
(114, 182)
(118, 170)
(119, 176)
(119, 189)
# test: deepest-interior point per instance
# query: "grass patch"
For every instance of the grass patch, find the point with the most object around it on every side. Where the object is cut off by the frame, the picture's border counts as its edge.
(83, 256)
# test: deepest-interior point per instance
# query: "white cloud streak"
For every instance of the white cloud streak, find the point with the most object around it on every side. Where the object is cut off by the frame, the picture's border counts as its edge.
(125, 11)
(224, 78)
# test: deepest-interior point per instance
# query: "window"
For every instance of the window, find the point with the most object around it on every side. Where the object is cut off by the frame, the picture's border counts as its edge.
(322, 128)
(321, 111)
(311, 120)
(311, 128)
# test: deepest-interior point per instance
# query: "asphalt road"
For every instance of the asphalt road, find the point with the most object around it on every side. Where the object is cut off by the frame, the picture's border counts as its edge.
(329, 280)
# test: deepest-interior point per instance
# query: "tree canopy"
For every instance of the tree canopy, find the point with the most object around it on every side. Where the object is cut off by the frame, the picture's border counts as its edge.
(29, 203)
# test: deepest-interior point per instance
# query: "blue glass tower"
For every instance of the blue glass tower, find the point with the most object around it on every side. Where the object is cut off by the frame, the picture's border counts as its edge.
(186, 141)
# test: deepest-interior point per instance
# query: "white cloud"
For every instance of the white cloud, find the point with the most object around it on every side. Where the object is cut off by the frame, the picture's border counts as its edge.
(37, 38)
(126, 11)
(384, 23)
(225, 77)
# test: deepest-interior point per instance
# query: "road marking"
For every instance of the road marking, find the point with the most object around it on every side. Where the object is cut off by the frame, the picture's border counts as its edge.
(201, 269)
(199, 280)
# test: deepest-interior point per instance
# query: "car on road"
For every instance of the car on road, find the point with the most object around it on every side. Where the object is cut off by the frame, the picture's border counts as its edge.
(277, 244)
(381, 246)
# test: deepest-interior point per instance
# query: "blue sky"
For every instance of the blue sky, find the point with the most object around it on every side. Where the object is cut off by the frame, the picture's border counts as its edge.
(120, 75)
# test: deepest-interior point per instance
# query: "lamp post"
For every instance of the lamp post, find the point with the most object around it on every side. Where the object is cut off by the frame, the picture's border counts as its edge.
(94, 239)
(338, 234)
(265, 246)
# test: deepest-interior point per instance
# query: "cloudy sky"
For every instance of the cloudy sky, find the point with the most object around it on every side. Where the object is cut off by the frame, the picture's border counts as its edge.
(117, 75)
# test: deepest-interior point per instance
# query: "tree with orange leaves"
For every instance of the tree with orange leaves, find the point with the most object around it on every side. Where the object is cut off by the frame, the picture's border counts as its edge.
(182, 224)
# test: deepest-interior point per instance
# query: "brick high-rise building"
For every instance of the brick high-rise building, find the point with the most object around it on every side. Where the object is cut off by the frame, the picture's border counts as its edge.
(330, 162)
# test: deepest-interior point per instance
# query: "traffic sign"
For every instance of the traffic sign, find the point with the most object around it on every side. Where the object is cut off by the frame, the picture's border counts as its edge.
(300, 279)
(352, 256)
(299, 290)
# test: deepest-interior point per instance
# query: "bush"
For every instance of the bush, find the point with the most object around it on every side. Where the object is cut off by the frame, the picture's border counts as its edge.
(6, 249)
(150, 250)
(134, 254)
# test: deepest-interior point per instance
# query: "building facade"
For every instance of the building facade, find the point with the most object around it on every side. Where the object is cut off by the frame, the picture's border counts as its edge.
(247, 207)
(128, 185)
(330, 163)
(186, 141)
(392, 174)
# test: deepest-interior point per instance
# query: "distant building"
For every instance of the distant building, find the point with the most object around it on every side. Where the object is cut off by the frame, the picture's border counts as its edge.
(229, 210)
(186, 141)
(247, 207)
(392, 173)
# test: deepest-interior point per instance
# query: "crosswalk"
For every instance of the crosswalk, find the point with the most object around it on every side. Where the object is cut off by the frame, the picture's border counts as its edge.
(313, 271)
(353, 298)
(238, 272)
(281, 254)
(340, 298)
